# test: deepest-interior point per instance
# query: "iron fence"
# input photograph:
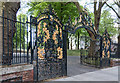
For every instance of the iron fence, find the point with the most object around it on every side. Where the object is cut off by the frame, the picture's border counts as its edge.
(89, 60)
(16, 39)
(115, 50)
(102, 54)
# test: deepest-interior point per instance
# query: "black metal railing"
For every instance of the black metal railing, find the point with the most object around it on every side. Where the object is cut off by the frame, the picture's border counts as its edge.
(89, 60)
(115, 50)
(16, 39)
(102, 54)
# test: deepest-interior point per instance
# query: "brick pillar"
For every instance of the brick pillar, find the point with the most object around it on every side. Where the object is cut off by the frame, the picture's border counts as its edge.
(1, 7)
(10, 10)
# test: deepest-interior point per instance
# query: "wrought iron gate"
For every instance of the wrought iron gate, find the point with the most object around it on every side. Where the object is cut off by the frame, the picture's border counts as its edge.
(103, 43)
(47, 43)
(50, 62)
(49, 53)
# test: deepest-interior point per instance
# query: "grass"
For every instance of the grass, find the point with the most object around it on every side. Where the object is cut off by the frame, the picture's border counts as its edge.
(92, 61)
(73, 52)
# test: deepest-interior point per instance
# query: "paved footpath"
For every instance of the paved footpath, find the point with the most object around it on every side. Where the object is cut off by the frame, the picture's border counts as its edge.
(108, 74)
(75, 68)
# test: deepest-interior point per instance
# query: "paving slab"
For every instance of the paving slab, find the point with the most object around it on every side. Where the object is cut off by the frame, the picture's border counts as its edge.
(108, 74)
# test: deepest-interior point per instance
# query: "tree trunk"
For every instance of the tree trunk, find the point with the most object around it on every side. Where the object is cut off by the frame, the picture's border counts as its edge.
(71, 43)
(92, 48)
(85, 42)
(78, 40)
(119, 45)
(67, 42)
(78, 6)
(118, 48)
(97, 15)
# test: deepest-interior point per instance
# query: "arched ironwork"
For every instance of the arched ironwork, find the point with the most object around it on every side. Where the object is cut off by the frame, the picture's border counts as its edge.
(82, 21)
(49, 39)
(49, 43)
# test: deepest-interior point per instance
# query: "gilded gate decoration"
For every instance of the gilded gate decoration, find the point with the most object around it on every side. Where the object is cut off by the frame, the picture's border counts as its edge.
(49, 42)
(106, 45)
(49, 38)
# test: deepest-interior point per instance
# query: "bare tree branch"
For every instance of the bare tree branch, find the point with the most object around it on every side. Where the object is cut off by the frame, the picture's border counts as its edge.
(95, 3)
(100, 4)
(78, 6)
(113, 10)
(104, 2)
(67, 3)
(117, 3)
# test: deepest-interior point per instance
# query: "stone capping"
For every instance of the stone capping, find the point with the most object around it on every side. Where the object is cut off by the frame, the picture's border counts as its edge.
(116, 59)
(8, 70)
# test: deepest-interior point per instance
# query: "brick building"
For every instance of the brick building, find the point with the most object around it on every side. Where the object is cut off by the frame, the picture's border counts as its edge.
(23, 72)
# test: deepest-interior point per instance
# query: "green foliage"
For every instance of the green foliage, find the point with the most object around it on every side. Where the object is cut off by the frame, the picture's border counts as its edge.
(73, 52)
(76, 52)
(82, 32)
(106, 22)
(21, 18)
(62, 9)
(92, 16)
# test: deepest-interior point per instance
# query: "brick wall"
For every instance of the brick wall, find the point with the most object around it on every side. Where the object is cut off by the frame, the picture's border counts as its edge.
(24, 72)
(26, 76)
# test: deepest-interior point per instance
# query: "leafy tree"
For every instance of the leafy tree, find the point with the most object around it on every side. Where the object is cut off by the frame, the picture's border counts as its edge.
(21, 32)
(80, 32)
(98, 5)
(106, 22)
(62, 9)
(117, 3)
